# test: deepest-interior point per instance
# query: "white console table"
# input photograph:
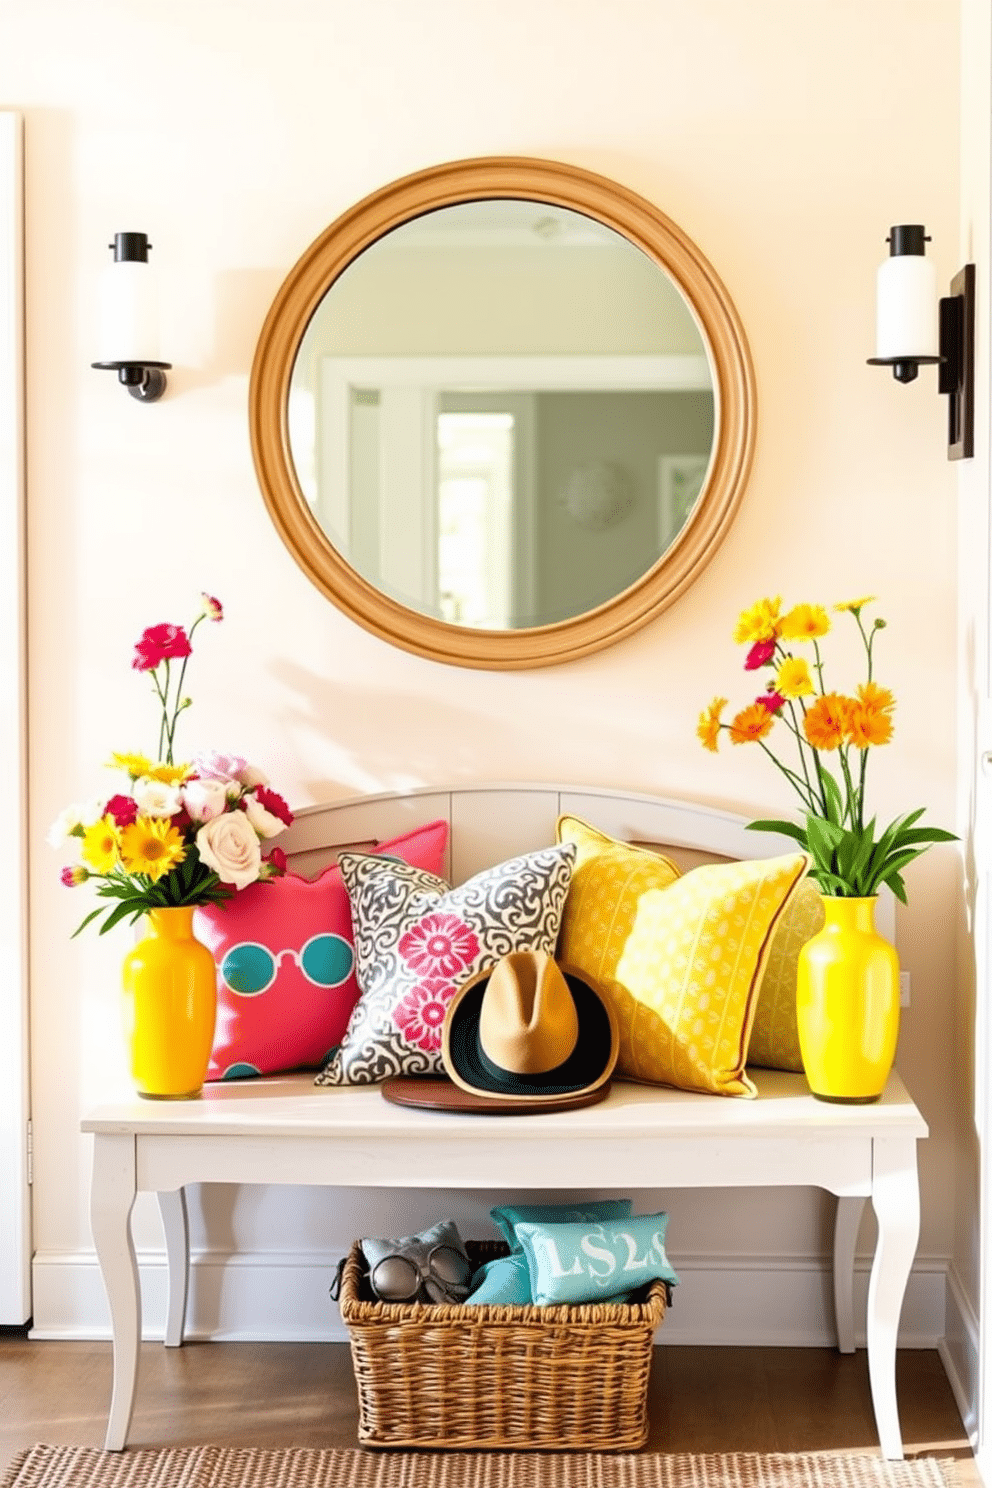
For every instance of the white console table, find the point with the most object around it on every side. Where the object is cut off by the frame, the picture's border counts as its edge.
(284, 1130)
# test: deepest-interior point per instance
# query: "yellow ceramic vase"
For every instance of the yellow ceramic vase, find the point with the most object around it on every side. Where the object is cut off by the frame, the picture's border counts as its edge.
(847, 1004)
(170, 1005)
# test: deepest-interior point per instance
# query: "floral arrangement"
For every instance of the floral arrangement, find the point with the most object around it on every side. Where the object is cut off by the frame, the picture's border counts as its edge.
(180, 834)
(851, 858)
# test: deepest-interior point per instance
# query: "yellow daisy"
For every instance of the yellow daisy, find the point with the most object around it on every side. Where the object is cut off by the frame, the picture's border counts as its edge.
(793, 678)
(168, 774)
(856, 604)
(135, 765)
(151, 846)
(708, 728)
(805, 622)
(759, 623)
(101, 845)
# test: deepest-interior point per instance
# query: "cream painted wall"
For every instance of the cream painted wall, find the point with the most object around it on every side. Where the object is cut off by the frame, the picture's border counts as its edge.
(969, 1336)
(775, 134)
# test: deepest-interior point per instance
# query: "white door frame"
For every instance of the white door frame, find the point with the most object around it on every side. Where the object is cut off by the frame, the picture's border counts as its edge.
(15, 1208)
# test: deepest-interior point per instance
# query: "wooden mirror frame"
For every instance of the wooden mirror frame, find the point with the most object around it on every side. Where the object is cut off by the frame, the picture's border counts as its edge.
(527, 179)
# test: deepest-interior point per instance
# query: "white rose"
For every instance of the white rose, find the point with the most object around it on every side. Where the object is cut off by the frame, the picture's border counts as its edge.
(229, 845)
(205, 799)
(266, 824)
(79, 814)
(155, 798)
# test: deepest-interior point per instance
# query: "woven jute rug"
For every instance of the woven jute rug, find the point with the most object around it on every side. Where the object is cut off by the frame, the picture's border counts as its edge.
(234, 1467)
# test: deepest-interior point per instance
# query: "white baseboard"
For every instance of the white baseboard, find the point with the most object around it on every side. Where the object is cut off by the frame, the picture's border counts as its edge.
(283, 1296)
(959, 1353)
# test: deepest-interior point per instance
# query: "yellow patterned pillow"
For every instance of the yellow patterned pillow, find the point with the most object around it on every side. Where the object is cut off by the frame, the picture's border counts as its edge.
(775, 1035)
(681, 959)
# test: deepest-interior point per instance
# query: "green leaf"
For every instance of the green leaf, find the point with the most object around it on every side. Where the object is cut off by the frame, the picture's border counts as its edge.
(133, 908)
(925, 834)
(846, 851)
(823, 837)
(829, 882)
(896, 862)
(832, 795)
(83, 923)
(787, 829)
(863, 854)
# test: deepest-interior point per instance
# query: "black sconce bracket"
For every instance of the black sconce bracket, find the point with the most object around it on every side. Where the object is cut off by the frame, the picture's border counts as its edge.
(143, 380)
(956, 362)
(956, 377)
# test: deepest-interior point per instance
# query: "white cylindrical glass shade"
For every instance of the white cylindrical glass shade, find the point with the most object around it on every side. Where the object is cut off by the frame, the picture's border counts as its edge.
(128, 314)
(906, 308)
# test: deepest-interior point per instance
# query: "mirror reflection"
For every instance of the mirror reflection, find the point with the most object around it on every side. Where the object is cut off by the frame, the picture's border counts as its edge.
(501, 414)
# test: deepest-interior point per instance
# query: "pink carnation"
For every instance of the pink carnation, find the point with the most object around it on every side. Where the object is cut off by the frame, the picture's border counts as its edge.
(212, 608)
(217, 764)
(274, 803)
(160, 643)
(124, 810)
(773, 701)
(759, 655)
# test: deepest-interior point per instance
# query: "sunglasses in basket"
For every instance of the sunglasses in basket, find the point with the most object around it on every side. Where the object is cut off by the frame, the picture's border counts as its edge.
(398, 1278)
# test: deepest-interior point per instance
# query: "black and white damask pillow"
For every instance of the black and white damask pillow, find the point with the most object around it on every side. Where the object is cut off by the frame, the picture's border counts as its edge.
(417, 941)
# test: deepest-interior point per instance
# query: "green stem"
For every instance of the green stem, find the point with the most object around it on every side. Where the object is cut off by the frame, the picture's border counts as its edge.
(165, 715)
(818, 664)
(853, 798)
(868, 640)
(792, 723)
(794, 780)
(163, 699)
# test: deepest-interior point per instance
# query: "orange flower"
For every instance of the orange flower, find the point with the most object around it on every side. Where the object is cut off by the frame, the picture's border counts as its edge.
(870, 695)
(826, 722)
(708, 728)
(869, 718)
(750, 724)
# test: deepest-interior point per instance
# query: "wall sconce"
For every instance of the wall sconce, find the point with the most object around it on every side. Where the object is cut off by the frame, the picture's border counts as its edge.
(129, 319)
(913, 329)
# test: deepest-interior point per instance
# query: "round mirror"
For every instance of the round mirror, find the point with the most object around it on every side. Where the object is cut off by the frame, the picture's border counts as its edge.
(502, 412)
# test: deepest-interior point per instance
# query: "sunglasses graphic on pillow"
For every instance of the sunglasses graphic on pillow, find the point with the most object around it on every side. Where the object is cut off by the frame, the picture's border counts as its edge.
(251, 968)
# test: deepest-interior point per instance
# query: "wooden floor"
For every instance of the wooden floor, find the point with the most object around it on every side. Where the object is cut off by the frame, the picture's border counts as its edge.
(275, 1394)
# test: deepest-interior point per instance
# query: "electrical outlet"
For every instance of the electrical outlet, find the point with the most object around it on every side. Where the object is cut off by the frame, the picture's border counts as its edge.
(904, 989)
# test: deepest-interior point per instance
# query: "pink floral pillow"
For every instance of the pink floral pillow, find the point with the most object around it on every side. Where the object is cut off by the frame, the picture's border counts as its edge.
(417, 940)
(286, 963)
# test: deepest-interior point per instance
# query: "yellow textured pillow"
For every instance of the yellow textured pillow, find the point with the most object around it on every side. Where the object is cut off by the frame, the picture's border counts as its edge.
(775, 1035)
(681, 959)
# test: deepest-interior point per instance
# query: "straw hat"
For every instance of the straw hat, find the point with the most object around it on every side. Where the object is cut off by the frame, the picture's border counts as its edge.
(529, 1030)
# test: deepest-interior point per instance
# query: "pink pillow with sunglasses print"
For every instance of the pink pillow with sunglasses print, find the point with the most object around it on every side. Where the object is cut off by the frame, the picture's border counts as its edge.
(286, 964)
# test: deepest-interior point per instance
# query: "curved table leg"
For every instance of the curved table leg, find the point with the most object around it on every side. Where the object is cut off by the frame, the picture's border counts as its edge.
(846, 1225)
(111, 1201)
(895, 1198)
(172, 1207)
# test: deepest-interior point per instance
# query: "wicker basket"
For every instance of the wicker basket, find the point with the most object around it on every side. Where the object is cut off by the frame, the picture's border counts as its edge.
(532, 1378)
